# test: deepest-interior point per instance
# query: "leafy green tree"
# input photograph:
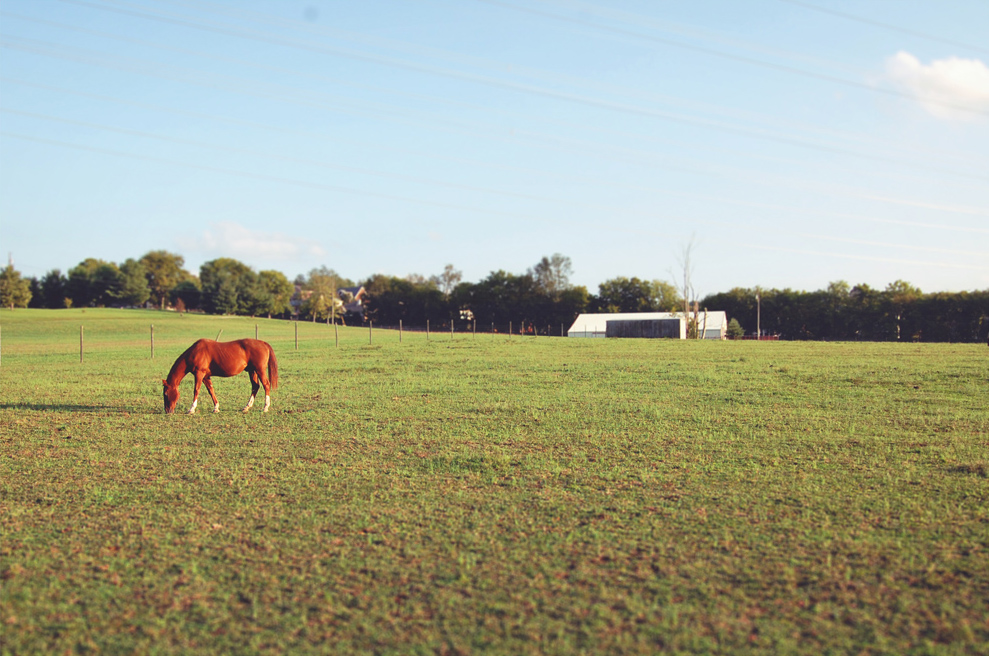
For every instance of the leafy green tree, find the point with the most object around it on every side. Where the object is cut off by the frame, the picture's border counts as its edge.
(94, 283)
(187, 294)
(274, 294)
(900, 298)
(15, 291)
(34, 287)
(413, 301)
(163, 271)
(320, 300)
(133, 288)
(735, 329)
(229, 287)
(634, 295)
(53, 290)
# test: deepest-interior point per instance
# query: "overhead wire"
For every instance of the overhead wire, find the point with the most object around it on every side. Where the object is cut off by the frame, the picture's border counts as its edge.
(443, 183)
(888, 26)
(133, 64)
(760, 133)
(281, 180)
(744, 59)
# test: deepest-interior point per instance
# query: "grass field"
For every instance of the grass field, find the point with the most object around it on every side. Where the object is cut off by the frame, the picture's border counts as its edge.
(491, 495)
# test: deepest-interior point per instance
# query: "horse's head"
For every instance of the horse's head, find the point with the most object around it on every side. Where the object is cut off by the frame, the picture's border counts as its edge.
(171, 395)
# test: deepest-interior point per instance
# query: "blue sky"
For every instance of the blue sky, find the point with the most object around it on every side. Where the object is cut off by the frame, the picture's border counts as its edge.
(785, 143)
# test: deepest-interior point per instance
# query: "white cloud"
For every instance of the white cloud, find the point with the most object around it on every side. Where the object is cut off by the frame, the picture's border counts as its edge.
(229, 239)
(944, 86)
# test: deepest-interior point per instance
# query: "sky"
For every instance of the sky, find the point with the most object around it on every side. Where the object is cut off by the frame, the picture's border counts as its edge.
(764, 143)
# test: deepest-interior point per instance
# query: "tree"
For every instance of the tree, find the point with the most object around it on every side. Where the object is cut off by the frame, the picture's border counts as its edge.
(447, 280)
(391, 299)
(552, 275)
(319, 293)
(53, 292)
(15, 292)
(735, 329)
(187, 294)
(899, 297)
(163, 271)
(685, 260)
(275, 293)
(229, 286)
(634, 295)
(94, 283)
(133, 288)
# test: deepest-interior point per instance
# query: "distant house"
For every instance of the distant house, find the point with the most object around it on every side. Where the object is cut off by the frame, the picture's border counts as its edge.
(353, 299)
(670, 325)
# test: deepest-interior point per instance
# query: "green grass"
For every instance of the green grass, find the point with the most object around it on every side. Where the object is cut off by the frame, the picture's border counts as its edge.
(491, 495)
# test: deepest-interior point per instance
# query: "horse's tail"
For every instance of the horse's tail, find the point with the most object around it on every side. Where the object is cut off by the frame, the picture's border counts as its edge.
(272, 367)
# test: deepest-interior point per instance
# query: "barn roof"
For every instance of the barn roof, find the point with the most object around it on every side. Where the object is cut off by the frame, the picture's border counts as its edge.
(597, 323)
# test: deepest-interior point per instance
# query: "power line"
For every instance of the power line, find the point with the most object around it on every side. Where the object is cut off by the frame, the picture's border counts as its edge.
(442, 183)
(250, 87)
(739, 58)
(887, 26)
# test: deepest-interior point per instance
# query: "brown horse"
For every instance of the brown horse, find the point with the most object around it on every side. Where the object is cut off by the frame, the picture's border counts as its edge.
(207, 358)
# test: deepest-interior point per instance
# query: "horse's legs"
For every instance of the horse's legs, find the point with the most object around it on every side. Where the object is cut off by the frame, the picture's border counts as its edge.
(195, 394)
(255, 386)
(267, 390)
(212, 394)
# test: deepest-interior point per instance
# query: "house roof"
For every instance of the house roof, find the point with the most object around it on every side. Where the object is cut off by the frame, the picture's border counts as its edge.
(597, 323)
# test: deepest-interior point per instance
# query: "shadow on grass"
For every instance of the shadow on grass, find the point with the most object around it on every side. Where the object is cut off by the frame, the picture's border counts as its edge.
(72, 407)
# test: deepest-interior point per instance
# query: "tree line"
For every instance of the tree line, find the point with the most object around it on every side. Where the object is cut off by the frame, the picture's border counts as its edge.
(540, 300)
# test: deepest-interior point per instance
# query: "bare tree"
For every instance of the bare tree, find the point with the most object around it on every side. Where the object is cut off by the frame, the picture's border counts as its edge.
(552, 274)
(447, 280)
(686, 264)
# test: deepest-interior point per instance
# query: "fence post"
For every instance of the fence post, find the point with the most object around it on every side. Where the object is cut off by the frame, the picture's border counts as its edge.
(80, 344)
(473, 329)
(509, 330)
(427, 330)
(336, 335)
(152, 341)
(399, 331)
(296, 335)
(370, 338)
(451, 330)
(255, 331)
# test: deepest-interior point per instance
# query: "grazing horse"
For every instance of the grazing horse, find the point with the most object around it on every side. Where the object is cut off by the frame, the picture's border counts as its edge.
(207, 358)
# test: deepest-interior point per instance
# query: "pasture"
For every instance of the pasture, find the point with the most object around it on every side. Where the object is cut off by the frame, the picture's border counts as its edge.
(490, 495)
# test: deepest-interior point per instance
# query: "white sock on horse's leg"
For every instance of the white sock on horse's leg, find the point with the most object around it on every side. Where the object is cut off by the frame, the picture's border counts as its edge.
(216, 407)
(192, 410)
(267, 402)
(250, 403)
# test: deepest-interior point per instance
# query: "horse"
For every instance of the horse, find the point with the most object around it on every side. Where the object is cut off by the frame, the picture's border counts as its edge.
(208, 358)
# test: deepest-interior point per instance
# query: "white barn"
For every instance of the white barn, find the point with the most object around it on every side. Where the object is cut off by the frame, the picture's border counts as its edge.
(713, 325)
